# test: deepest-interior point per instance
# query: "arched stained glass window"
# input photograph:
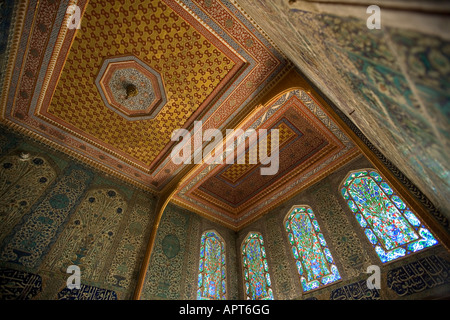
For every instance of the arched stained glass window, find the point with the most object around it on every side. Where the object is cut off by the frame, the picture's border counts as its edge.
(212, 269)
(391, 227)
(313, 259)
(256, 270)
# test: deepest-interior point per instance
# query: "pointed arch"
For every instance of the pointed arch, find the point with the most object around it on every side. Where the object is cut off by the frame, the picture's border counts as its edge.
(312, 256)
(88, 237)
(257, 283)
(212, 282)
(390, 225)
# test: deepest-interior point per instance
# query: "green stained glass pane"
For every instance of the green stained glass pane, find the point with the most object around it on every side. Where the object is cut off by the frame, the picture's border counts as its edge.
(256, 269)
(322, 240)
(299, 267)
(270, 294)
(287, 226)
(291, 239)
(376, 176)
(268, 280)
(295, 252)
(224, 288)
(212, 267)
(266, 266)
(200, 278)
(398, 202)
(348, 181)
(352, 206)
(383, 217)
(328, 255)
(387, 222)
(372, 238)
(412, 218)
(345, 194)
(312, 260)
(386, 188)
(316, 225)
(361, 220)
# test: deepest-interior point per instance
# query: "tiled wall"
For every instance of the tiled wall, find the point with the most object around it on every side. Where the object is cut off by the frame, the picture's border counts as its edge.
(393, 82)
(56, 212)
(421, 275)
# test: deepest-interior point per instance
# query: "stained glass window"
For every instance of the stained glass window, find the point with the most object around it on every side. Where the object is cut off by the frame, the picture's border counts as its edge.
(312, 256)
(391, 227)
(256, 270)
(212, 269)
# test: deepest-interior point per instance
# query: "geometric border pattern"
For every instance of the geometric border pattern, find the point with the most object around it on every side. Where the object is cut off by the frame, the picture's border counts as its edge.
(153, 109)
(237, 220)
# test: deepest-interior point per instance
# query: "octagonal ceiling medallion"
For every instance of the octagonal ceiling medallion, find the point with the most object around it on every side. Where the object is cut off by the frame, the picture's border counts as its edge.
(131, 88)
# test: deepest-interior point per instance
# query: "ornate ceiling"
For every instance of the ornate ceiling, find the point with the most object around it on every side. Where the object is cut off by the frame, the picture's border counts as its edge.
(112, 92)
(311, 145)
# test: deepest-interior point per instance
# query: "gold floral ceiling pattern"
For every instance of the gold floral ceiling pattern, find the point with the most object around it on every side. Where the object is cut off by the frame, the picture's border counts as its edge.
(112, 92)
(211, 59)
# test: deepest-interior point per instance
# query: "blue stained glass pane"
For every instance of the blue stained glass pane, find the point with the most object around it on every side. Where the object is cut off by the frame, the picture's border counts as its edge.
(256, 269)
(361, 220)
(266, 266)
(268, 280)
(386, 188)
(398, 202)
(299, 267)
(309, 285)
(328, 255)
(385, 217)
(427, 241)
(345, 194)
(295, 252)
(334, 276)
(313, 259)
(322, 239)
(200, 280)
(224, 287)
(211, 267)
(352, 206)
(291, 239)
(371, 236)
(390, 255)
(376, 176)
(316, 226)
(287, 226)
(270, 294)
(412, 218)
